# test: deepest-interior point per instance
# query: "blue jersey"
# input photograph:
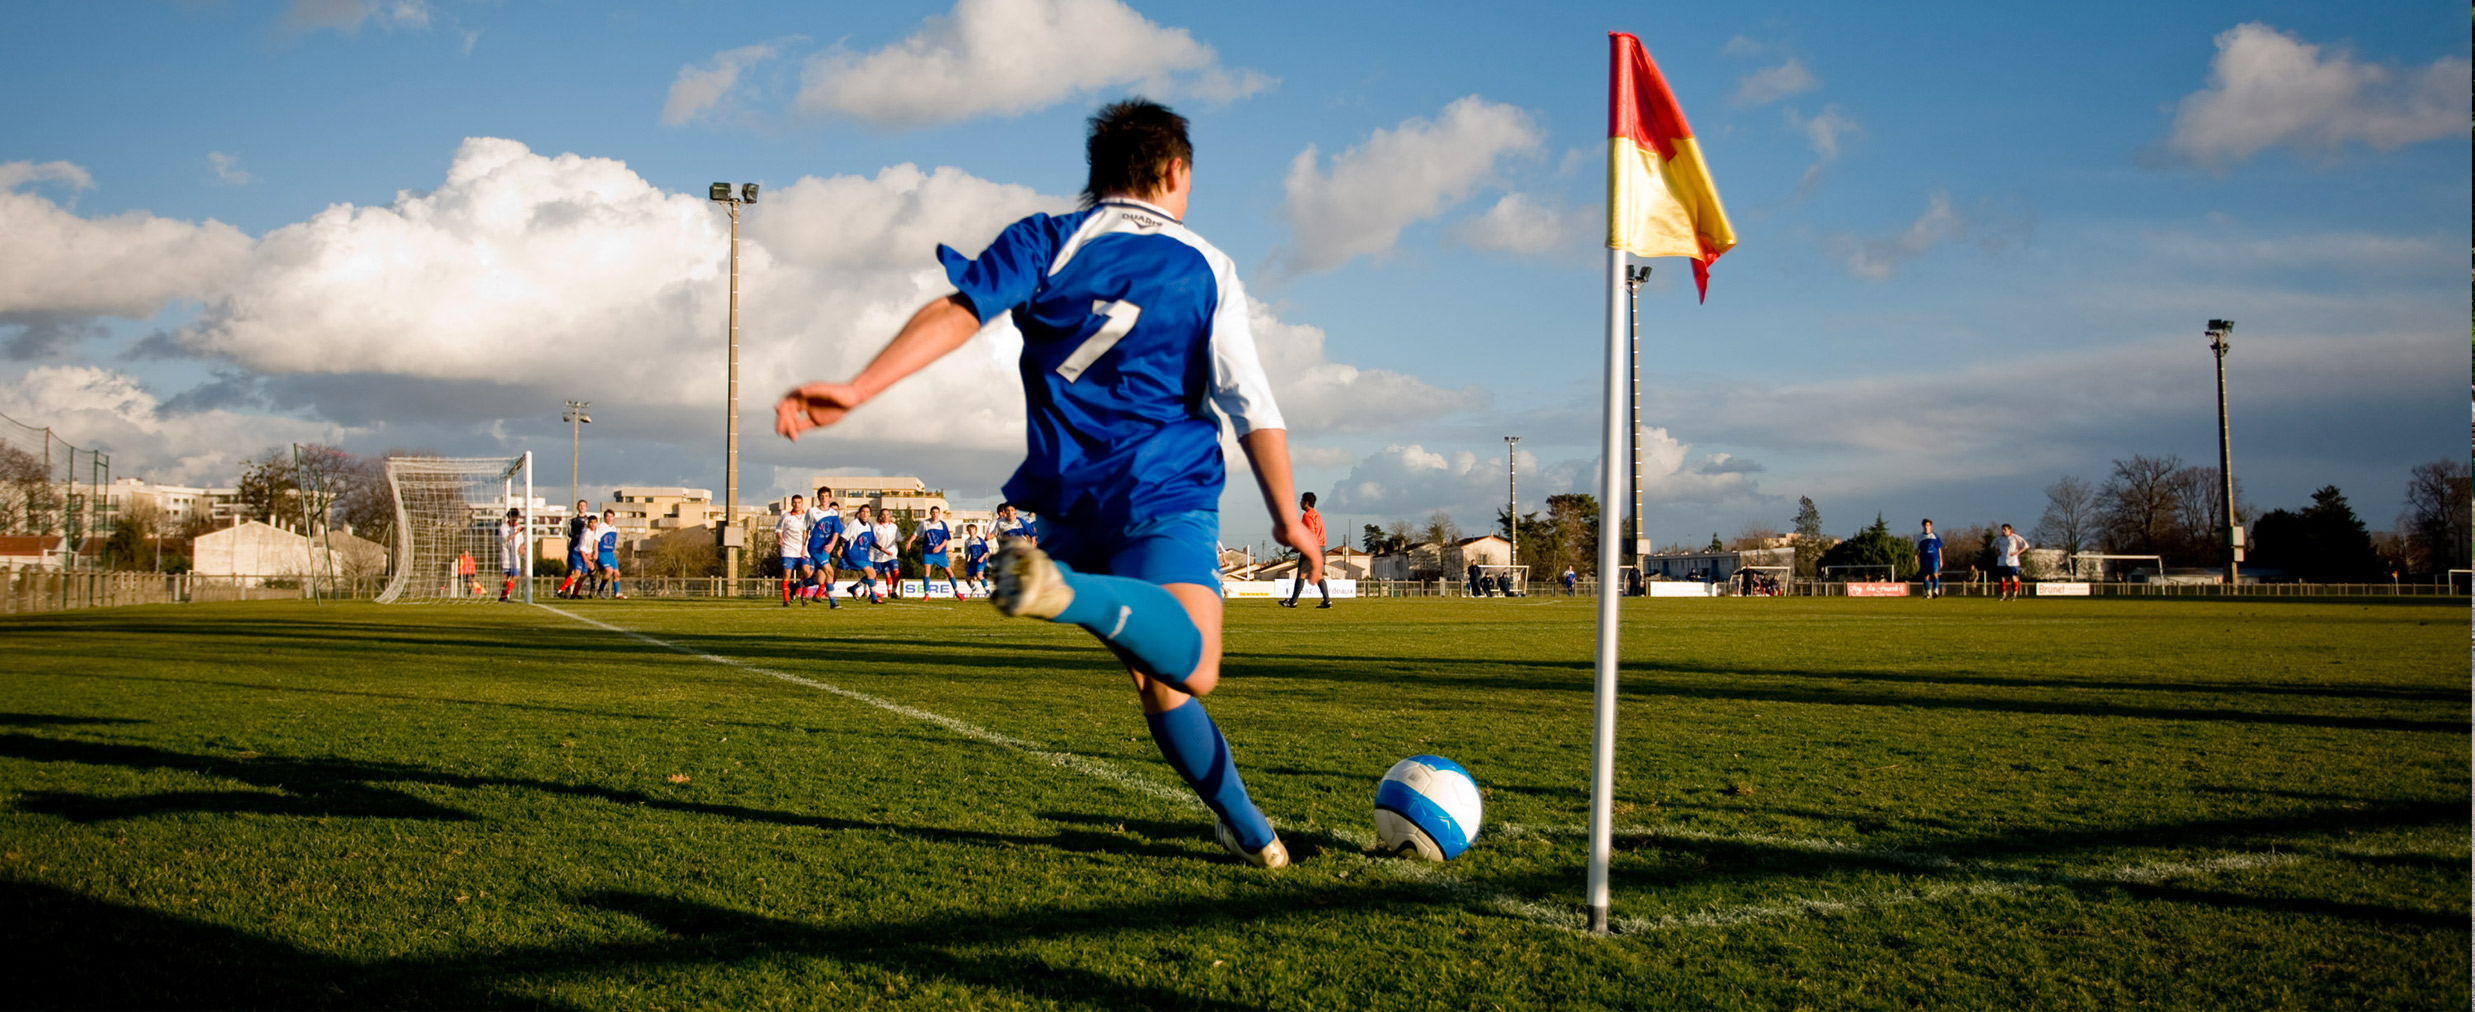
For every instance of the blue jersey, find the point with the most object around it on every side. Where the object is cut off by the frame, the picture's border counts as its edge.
(1929, 547)
(933, 534)
(610, 546)
(1134, 331)
(822, 533)
(856, 552)
(975, 549)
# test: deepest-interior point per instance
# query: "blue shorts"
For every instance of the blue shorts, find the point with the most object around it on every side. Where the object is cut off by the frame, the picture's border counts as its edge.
(512, 573)
(935, 559)
(1929, 565)
(575, 563)
(607, 562)
(975, 567)
(1175, 548)
(2007, 572)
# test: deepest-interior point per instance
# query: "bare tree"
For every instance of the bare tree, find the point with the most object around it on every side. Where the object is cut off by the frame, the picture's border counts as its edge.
(1439, 530)
(28, 503)
(1753, 536)
(2435, 523)
(2071, 516)
(2137, 505)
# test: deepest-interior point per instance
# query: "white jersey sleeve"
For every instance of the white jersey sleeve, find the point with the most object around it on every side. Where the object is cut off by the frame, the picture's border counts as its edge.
(1239, 388)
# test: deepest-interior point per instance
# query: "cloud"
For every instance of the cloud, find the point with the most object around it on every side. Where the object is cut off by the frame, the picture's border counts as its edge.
(1522, 224)
(228, 168)
(347, 16)
(698, 89)
(2269, 88)
(57, 264)
(1738, 45)
(1318, 395)
(457, 317)
(1771, 84)
(1823, 133)
(1990, 225)
(1394, 179)
(1008, 57)
(110, 411)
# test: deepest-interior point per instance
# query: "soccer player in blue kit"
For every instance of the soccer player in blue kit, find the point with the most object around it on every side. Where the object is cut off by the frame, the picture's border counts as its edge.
(1929, 559)
(1134, 335)
(824, 528)
(935, 534)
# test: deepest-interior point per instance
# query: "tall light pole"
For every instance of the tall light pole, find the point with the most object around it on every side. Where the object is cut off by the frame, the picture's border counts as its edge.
(723, 194)
(1634, 277)
(2221, 333)
(576, 420)
(1512, 505)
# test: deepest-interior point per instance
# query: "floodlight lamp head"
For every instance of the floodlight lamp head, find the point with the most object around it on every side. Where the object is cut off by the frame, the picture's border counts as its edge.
(747, 192)
(720, 192)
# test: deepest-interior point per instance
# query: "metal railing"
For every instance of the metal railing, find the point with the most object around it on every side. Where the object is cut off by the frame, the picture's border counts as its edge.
(32, 589)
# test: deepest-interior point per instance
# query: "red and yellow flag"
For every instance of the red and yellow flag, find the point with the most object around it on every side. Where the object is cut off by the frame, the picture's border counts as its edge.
(1660, 202)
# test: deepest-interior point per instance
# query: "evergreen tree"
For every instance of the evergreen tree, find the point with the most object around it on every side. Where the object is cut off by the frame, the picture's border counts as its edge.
(1808, 528)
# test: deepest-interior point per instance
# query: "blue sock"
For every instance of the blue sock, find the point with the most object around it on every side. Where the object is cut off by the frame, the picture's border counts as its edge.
(1144, 622)
(1196, 750)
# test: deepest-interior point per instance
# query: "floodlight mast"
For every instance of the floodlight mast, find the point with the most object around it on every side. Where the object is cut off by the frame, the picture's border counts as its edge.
(726, 195)
(1512, 504)
(2221, 333)
(576, 420)
(1635, 276)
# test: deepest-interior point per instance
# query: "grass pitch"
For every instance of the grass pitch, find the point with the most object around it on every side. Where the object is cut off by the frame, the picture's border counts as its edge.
(1953, 803)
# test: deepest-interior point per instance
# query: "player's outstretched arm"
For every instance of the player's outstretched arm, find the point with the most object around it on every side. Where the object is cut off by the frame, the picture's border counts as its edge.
(935, 331)
(1267, 450)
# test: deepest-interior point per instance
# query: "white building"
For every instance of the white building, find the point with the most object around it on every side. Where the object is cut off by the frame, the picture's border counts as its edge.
(250, 548)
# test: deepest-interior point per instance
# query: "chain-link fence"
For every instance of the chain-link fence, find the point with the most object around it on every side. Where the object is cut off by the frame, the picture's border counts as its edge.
(52, 491)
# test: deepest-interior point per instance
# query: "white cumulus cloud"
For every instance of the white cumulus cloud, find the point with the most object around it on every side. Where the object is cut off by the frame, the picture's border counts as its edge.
(111, 411)
(2269, 88)
(1989, 224)
(700, 88)
(1394, 179)
(227, 168)
(1523, 224)
(57, 263)
(1823, 132)
(1771, 84)
(1006, 57)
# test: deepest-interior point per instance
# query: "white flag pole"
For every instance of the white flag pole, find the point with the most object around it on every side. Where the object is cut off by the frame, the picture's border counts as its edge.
(1610, 587)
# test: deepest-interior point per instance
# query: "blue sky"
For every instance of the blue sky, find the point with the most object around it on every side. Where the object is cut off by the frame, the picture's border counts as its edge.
(1977, 247)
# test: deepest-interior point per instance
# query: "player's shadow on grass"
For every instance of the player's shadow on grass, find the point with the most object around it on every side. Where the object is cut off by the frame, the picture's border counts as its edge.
(58, 720)
(344, 788)
(1671, 679)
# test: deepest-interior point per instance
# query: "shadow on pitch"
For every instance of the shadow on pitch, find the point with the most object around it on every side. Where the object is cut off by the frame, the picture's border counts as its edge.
(1670, 679)
(323, 788)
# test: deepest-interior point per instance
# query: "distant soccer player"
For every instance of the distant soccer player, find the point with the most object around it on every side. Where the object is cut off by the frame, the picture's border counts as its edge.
(1929, 560)
(975, 557)
(577, 565)
(790, 535)
(1571, 579)
(510, 553)
(606, 556)
(887, 553)
(1134, 335)
(858, 550)
(933, 534)
(1314, 527)
(2007, 549)
(824, 529)
(1011, 524)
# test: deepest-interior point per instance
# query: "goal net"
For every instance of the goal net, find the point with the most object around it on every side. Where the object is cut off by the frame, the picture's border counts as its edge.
(447, 512)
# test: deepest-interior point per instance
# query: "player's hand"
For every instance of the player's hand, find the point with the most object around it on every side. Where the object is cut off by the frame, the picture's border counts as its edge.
(814, 406)
(1294, 534)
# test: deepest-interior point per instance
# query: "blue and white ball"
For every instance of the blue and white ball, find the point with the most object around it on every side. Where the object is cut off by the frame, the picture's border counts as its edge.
(1427, 805)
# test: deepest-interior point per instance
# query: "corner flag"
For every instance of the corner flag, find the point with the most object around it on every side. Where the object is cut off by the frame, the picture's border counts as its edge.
(1660, 202)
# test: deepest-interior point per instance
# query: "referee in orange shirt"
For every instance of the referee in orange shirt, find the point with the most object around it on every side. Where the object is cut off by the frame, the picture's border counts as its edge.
(1314, 527)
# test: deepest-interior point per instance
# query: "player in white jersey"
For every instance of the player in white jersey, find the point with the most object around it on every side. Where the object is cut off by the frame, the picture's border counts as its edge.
(510, 553)
(2007, 549)
(790, 533)
(886, 555)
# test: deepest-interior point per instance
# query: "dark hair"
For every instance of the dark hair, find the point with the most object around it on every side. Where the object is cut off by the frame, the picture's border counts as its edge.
(1309, 497)
(1929, 521)
(823, 491)
(1129, 148)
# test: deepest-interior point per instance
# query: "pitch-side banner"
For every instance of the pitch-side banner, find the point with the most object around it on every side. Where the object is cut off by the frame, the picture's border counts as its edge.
(1877, 590)
(2061, 589)
(1236, 589)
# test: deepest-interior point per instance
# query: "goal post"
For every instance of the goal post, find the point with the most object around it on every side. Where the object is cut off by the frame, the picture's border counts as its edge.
(447, 512)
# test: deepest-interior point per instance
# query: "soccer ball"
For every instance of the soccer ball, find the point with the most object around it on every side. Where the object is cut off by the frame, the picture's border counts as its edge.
(1428, 806)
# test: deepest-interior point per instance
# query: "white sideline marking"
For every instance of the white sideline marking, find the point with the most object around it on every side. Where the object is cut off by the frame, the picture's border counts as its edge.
(2009, 880)
(1079, 764)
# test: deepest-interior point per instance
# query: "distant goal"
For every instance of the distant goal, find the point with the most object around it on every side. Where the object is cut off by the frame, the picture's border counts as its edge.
(447, 512)
(1502, 581)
